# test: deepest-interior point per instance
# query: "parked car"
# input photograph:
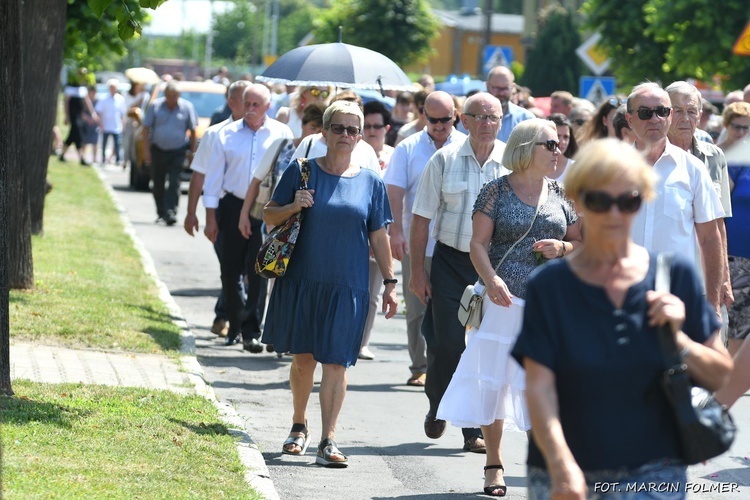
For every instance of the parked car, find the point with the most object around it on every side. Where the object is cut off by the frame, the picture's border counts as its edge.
(206, 97)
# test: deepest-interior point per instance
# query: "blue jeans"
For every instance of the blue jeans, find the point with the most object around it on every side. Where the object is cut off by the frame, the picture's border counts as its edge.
(116, 138)
(663, 479)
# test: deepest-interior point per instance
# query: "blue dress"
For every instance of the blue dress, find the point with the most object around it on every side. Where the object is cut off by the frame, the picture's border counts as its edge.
(320, 305)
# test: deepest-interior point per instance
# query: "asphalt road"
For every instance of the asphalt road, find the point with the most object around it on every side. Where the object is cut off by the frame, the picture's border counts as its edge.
(380, 426)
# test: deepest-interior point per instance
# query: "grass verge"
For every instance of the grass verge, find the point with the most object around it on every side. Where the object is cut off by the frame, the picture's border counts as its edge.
(76, 441)
(91, 290)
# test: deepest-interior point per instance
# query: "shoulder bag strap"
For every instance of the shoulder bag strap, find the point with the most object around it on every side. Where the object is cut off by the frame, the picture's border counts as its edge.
(304, 168)
(272, 169)
(309, 146)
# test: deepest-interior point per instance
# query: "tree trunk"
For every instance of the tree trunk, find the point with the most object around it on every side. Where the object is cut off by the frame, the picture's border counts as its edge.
(10, 153)
(43, 36)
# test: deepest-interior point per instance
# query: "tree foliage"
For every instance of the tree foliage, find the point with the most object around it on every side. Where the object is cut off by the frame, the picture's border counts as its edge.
(553, 63)
(668, 40)
(399, 29)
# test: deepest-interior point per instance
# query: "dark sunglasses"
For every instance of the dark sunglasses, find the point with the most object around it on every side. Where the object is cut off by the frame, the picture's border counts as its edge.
(551, 144)
(435, 121)
(339, 129)
(600, 202)
(579, 121)
(376, 126)
(318, 92)
(647, 113)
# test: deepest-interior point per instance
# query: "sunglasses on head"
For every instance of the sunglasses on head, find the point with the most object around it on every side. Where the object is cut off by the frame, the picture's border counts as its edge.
(376, 126)
(339, 129)
(551, 144)
(600, 202)
(435, 121)
(318, 92)
(647, 113)
(616, 101)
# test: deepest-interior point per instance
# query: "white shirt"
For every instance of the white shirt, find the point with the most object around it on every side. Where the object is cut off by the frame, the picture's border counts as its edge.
(405, 169)
(202, 159)
(449, 186)
(238, 149)
(363, 154)
(685, 196)
(112, 111)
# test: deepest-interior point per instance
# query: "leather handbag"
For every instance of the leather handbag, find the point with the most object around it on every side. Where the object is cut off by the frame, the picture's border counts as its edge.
(470, 306)
(705, 427)
(276, 251)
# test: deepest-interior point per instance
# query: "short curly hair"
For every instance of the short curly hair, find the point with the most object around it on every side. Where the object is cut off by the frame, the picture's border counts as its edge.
(735, 110)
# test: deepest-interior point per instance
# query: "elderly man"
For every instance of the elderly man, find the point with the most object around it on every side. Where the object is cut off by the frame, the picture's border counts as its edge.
(167, 122)
(687, 204)
(687, 107)
(401, 179)
(236, 153)
(112, 112)
(500, 84)
(446, 193)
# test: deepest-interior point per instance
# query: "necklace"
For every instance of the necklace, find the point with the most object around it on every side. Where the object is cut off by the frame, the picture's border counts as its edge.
(517, 189)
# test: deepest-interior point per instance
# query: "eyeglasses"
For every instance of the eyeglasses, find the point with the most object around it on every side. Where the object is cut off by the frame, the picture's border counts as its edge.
(435, 121)
(420, 110)
(601, 202)
(579, 121)
(739, 128)
(647, 113)
(339, 129)
(318, 92)
(481, 118)
(551, 145)
(376, 126)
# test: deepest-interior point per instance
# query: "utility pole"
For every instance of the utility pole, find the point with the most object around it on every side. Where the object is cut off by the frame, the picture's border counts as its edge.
(209, 41)
(486, 38)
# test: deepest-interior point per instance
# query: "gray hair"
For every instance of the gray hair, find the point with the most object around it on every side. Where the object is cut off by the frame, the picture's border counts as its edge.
(684, 88)
(238, 86)
(345, 108)
(260, 89)
(640, 88)
(172, 87)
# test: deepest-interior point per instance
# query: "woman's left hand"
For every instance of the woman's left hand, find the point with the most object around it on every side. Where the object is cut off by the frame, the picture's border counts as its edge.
(549, 248)
(663, 308)
(390, 300)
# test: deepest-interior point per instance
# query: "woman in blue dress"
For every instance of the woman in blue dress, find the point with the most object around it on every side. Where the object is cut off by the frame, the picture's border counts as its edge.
(318, 309)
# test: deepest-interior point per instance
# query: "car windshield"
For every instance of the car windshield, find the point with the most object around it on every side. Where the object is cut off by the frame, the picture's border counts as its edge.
(205, 103)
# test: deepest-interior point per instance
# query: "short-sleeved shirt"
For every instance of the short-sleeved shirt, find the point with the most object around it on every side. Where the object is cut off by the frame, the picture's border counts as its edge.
(449, 186)
(112, 112)
(685, 195)
(607, 363)
(716, 164)
(236, 153)
(168, 127)
(512, 218)
(408, 161)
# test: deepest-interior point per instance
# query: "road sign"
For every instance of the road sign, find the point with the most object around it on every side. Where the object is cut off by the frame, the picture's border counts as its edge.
(742, 45)
(591, 54)
(597, 88)
(497, 55)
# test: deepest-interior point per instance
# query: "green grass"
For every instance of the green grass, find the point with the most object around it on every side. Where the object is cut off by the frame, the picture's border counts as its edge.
(76, 441)
(91, 290)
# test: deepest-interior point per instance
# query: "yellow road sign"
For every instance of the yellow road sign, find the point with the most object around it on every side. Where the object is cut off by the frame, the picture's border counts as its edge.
(742, 45)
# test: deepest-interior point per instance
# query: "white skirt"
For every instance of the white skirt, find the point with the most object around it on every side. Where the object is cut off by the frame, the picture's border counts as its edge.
(489, 384)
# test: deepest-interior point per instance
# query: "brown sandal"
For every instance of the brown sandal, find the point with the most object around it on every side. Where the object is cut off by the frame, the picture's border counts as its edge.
(416, 380)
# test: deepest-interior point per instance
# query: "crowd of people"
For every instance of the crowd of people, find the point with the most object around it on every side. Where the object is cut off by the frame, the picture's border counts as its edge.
(558, 216)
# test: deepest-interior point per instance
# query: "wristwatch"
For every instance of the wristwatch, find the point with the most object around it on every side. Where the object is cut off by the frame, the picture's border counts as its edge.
(391, 281)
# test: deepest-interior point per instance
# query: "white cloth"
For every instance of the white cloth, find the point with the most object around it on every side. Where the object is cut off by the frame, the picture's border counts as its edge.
(112, 111)
(295, 123)
(363, 154)
(449, 186)
(685, 196)
(488, 383)
(408, 161)
(235, 154)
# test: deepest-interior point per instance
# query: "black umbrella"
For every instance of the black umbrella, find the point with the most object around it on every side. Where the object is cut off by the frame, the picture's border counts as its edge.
(338, 65)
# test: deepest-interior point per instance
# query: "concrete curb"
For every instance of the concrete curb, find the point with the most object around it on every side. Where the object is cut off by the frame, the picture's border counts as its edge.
(257, 474)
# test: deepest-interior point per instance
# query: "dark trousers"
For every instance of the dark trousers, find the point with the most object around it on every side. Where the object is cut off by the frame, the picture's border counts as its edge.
(451, 271)
(245, 314)
(166, 162)
(116, 139)
(220, 311)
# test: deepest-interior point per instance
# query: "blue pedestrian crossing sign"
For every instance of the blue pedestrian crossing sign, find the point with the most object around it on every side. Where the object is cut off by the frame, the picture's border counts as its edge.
(597, 88)
(497, 55)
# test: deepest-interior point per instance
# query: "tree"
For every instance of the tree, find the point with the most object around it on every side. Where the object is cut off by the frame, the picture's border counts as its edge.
(668, 40)
(399, 29)
(553, 63)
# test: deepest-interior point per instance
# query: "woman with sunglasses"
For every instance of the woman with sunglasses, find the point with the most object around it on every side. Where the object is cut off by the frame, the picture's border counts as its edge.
(590, 347)
(318, 309)
(600, 126)
(519, 221)
(736, 120)
(292, 115)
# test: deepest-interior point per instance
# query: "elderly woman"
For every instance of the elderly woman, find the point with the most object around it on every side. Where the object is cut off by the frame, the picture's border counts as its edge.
(519, 220)
(590, 347)
(736, 120)
(292, 115)
(318, 309)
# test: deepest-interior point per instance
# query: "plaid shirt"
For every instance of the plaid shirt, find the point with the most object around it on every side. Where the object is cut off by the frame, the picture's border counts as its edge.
(450, 184)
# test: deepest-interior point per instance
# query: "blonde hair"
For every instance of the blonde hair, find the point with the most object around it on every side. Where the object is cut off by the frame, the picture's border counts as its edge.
(602, 161)
(735, 110)
(520, 146)
(345, 108)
